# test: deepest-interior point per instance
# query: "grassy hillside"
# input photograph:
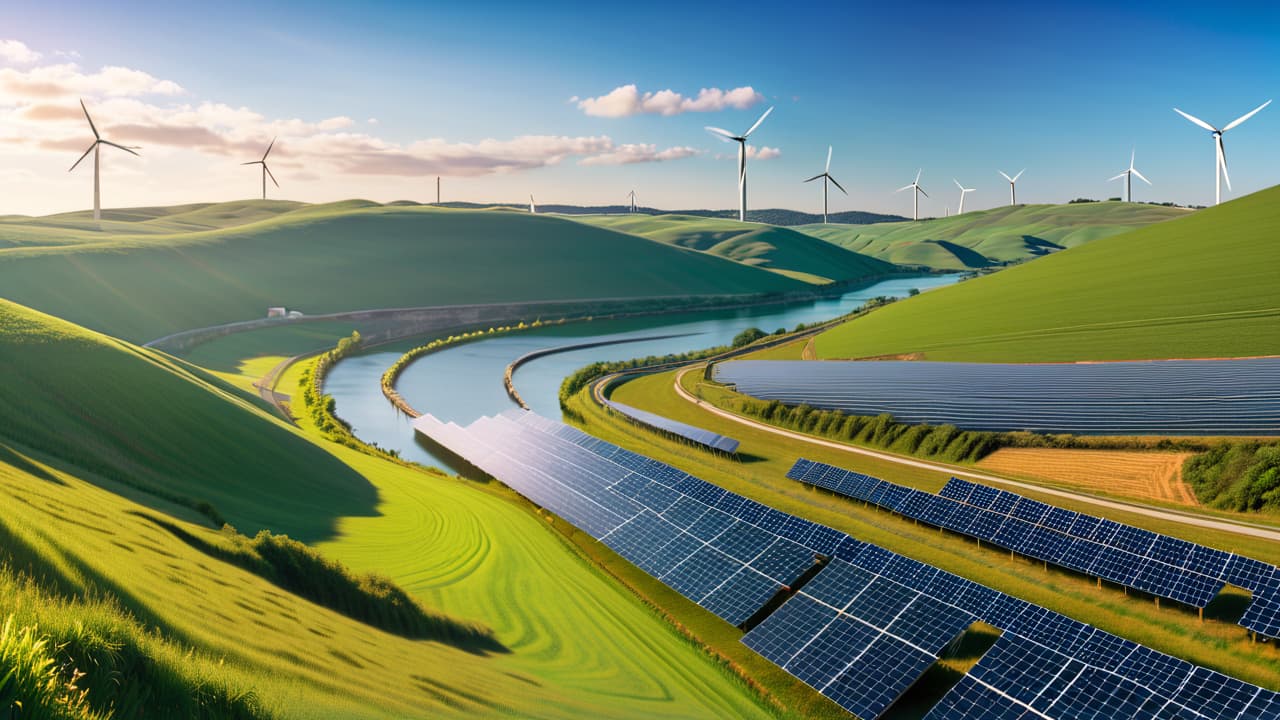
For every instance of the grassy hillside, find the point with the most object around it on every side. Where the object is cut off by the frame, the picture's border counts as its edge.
(345, 256)
(174, 619)
(1200, 286)
(986, 237)
(774, 248)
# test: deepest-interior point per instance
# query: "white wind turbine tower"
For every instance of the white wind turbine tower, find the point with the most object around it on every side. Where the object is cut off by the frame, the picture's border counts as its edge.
(826, 175)
(632, 196)
(533, 208)
(1220, 165)
(1013, 181)
(963, 191)
(727, 136)
(1128, 178)
(96, 149)
(265, 170)
(916, 192)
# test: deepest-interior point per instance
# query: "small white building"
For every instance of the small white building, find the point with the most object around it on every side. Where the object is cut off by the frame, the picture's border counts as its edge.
(277, 312)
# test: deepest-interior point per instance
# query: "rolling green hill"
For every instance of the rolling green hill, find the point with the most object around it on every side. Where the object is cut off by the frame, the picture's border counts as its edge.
(988, 237)
(774, 248)
(139, 592)
(345, 256)
(1200, 286)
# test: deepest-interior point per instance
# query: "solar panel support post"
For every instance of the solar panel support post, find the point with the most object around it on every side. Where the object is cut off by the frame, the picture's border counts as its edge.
(1099, 583)
(1201, 616)
(1157, 601)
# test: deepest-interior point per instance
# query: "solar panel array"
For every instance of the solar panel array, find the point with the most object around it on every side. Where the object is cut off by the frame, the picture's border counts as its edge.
(1157, 564)
(867, 624)
(1165, 397)
(688, 432)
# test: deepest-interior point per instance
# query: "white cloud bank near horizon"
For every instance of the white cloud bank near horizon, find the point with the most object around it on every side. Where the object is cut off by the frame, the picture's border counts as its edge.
(627, 100)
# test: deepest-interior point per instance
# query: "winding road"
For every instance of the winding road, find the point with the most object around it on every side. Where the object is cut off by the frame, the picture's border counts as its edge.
(1239, 528)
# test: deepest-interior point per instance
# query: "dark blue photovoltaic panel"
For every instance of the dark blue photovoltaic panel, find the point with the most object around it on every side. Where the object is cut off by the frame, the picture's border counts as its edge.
(688, 432)
(970, 699)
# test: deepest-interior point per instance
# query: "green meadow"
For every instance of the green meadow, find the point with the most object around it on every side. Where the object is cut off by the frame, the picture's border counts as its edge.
(107, 451)
(982, 238)
(141, 277)
(780, 249)
(1199, 286)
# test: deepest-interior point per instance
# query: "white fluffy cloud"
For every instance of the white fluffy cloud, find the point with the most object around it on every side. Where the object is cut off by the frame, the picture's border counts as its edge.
(68, 80)
(630, 154)
(17, 53)
(627, 100)
(763, 152)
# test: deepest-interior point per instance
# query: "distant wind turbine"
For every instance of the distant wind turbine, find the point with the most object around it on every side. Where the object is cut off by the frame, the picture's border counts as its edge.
(1013, 181)
(265, 170)
(96, 148)
(1220, 165)
(826, 175)
(533, 208)
(727, 136)
(917, 191)
(1128, 178)
(632, 196)
(963, 191)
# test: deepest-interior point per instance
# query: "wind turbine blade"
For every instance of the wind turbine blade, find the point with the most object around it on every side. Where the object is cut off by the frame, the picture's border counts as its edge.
(1015, 177)
(833, 182)
(1126, 172)
(1222, 162)
(1241, 119)
(922, 192)
(905, 187)
(828, 160)
(268, 152)
(1197, 121)
(92, 127)
(918, 172)
(273, 177)
(82, 157)
(1006, 177)
(815, 177)
(721, 133)
(1135, 172)
(128, 150)
(1132, 155)
(957, 182)
(753, 127)
(252, 162)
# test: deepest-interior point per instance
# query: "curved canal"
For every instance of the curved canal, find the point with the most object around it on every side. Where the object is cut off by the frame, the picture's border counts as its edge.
(464, 382)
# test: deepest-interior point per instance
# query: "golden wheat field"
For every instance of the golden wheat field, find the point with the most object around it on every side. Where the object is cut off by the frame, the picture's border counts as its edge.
(1134, 474)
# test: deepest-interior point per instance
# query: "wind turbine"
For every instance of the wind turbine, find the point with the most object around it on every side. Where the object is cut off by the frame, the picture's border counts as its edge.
(96, 149)
(533, 209)
(632, 196)
(826, 175)
(917, 191)
(1128, 178)
(1220, 165)
(265, 170)
(727, 136)
(1013, 191)
(963, 191)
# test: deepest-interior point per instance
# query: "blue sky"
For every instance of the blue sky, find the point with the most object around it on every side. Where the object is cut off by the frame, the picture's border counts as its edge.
(960, 90)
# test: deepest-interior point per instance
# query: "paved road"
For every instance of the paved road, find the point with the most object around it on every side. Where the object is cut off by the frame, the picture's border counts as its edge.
(1257, 531)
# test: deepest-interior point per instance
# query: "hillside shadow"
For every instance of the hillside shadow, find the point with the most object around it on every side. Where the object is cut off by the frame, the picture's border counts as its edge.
(1039, 246)
(9, 456)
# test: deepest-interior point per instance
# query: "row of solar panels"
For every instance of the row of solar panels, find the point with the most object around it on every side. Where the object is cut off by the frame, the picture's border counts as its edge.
(1178, 397)
(688, 432)
(1157, 564)
(870, 621)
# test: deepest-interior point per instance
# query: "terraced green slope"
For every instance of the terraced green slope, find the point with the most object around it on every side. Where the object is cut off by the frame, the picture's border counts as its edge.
(580, 644)
(346, 256)
(779, 249)
(1200, 286)
(987, 237)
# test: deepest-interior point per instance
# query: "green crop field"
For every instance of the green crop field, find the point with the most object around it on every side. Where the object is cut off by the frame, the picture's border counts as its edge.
(103, 443)
(1200, 286)
(133, 282)
(982, 238)
(775, 248)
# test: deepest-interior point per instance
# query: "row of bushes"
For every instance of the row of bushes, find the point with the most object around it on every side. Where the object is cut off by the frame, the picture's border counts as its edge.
(941, 442)
(1236, 476)
(320, 406)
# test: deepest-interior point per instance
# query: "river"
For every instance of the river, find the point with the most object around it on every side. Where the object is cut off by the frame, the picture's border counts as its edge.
(464, 382)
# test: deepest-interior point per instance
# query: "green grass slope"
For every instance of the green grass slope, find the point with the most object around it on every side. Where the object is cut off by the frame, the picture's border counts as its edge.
(349, 256)
(140, 592)
(1200, 286)
(774, 248)
(985, 237)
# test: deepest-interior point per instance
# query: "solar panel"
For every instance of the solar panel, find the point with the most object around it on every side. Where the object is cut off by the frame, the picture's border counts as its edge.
(688, 432)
